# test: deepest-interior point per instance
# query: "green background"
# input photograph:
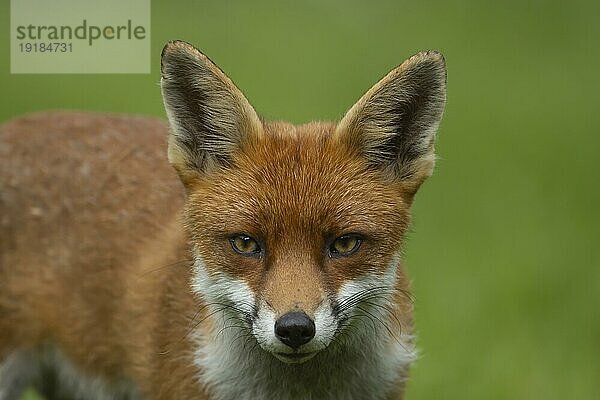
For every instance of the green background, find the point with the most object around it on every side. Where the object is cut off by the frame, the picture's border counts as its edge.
(503, 251)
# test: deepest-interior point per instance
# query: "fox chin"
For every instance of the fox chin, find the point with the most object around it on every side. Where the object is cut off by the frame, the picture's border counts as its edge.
(263, 263)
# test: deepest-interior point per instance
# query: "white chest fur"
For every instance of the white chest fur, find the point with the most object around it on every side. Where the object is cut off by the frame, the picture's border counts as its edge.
(235, 368)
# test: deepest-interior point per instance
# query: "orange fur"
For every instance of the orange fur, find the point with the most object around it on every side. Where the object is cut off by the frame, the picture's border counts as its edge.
(98, 237)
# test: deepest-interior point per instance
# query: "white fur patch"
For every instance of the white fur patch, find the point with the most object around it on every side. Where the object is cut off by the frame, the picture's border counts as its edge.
(364, 362)
(368, 281)
(220, 287)
(325, 324)
(263, 329)
(395, 351)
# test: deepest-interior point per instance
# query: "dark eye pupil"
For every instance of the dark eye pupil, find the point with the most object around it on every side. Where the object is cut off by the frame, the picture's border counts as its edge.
(344, 245)
(245, 245)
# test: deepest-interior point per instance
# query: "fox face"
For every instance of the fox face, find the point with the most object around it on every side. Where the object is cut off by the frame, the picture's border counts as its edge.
(296, 231)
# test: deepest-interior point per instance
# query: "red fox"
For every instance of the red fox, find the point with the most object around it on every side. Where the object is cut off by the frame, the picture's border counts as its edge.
(272, 272)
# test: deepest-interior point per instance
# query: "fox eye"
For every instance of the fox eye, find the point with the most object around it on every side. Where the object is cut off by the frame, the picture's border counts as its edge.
(245, 245)
(344, 246)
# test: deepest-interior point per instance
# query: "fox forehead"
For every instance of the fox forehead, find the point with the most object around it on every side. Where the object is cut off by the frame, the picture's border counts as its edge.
(296, 181)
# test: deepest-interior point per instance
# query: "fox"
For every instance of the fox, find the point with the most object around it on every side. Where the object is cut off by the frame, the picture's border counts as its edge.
(216, 256)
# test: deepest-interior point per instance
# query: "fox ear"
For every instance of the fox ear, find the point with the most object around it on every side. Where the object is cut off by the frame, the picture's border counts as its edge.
(210, 117)
(395, 122)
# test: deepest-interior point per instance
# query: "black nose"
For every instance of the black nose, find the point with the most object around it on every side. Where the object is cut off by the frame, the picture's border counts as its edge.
(295, 329)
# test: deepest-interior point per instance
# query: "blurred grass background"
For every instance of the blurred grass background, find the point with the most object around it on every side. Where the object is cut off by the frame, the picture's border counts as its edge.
(503, 252)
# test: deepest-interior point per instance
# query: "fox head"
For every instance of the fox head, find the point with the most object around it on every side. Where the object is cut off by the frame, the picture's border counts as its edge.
(296, 231)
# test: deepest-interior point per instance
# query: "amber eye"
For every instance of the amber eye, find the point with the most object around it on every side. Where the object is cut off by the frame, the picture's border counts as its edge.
(344, 246)
(245, 245)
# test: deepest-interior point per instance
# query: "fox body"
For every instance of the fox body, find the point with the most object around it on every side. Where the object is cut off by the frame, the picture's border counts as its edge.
(272, 272)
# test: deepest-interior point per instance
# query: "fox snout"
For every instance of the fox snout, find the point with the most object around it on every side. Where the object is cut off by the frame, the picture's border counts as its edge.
(295, 329)
(297, 335)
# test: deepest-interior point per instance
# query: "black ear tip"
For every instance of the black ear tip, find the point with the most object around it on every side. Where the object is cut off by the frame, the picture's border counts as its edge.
(430, 60)
(169, 49)
(436, 55)
(175, 45)
(440, 59)
(431, 56)
(175, 48)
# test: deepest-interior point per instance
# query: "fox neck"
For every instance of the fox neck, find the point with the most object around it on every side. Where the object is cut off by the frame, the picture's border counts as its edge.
(369, 365)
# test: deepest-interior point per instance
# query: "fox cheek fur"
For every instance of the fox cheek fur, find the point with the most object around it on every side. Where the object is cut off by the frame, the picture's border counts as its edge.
(294, 189)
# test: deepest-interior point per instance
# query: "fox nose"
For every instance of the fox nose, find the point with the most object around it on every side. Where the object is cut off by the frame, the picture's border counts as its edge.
(294, 329)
